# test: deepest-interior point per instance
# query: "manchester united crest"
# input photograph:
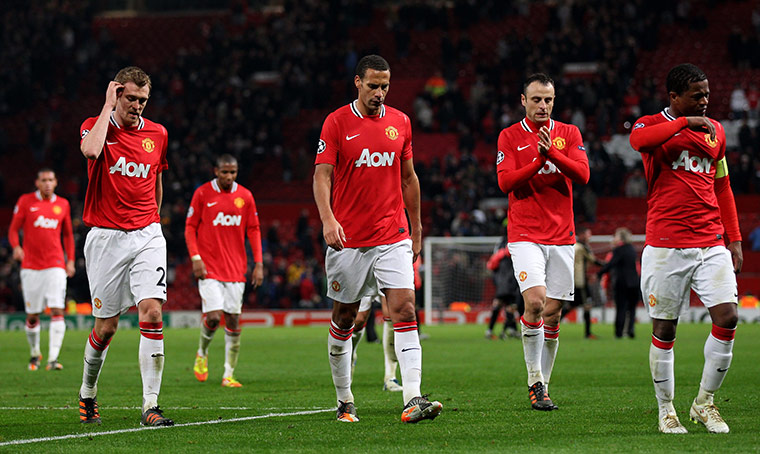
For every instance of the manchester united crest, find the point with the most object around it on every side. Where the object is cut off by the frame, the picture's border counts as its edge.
(97, 303)
(239, 202)
(57, 209)
(559, 143)
(391, 132)
(523, 276)
(148, 144)
(335, 286)
(652, 300)
(712, 142)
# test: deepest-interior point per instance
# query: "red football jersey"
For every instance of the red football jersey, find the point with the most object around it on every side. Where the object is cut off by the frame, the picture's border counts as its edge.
(121, 193)
(682, 209)
(42, 222)
(367, 152)
(540, 190)
(216, 226)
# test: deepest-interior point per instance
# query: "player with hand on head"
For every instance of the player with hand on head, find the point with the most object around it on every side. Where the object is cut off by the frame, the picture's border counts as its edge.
(690, 208)
(538, 161)
(43, 216)
(221, 214)
(125, 250)
(364, 178)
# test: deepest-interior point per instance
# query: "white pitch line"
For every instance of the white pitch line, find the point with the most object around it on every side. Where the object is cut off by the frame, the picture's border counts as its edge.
(137, 429)
(162, 407)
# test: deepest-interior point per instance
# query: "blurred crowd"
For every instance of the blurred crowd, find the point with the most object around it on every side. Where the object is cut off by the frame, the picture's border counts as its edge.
(255, 70)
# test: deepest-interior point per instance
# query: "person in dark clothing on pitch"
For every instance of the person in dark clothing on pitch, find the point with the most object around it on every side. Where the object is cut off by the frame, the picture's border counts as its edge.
(507, 294)
(626, 282)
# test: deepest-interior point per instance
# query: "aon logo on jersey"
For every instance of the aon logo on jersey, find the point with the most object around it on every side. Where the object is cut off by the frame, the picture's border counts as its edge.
(130, 169)
(548, 168)
(375, 159)
(45, 223)
(693, 163)
(227, 219)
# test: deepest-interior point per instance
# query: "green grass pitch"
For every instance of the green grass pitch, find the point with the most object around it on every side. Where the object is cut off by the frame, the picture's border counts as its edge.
(603, 389)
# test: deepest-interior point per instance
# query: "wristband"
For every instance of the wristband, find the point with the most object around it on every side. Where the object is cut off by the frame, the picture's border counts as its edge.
(195, 258)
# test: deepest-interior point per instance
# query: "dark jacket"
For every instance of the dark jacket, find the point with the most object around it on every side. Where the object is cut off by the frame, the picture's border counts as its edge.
(623, 263)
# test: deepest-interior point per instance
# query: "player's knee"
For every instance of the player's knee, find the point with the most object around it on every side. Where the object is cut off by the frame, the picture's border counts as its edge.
(406, 312)
(212, 321)
(32, 320)
(152, 315)
(728, 321)
(231, 321)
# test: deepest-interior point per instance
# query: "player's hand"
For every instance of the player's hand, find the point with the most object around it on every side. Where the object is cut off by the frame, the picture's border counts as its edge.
(736, 255)
(113, 92)
(70, 268)
(545, 140)
(18, 253)
(701, 124)
(199, 269)
(258, 275)
(416, 245)
(334, 235)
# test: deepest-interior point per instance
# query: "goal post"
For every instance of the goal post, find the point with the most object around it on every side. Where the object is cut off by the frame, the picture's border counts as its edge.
(455, 271)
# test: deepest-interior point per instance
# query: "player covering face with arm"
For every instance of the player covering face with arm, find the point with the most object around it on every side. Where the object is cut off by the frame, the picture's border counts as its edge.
(690, 208)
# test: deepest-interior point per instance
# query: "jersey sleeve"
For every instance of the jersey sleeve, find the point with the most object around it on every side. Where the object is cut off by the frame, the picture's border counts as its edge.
(510, 177)
(574, 165)
(724, 194)
(68, 233)
(253, 230)
(164, 161)
(646, 135)
(327, 149)
(84, 129)
(19, 212)
(191, 223)
(406, 153)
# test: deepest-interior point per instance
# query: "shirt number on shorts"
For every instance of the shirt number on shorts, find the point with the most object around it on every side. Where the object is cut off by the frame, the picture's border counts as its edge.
(161, 282)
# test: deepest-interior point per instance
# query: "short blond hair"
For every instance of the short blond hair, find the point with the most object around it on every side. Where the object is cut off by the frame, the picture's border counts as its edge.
(135, 75)
(624, 234)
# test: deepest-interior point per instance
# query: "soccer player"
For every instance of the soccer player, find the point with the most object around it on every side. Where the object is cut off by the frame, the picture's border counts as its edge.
(390, 383)
(583, 256)
(537, 162)
(42, 216)
(221, 214)
(364, 177)
(125, 250)
(690, 210)
(507, 291)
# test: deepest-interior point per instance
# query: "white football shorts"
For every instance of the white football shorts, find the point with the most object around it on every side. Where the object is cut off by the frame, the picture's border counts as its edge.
(43, 288)
(547, 265)
(356, 272)
(667, 275)
(366, 303)
(221, 296)
(124, 268)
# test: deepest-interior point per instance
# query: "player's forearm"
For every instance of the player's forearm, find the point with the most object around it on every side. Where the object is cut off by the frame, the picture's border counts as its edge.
(410, 189)
(575, 168)
(68, 240)
(92, 143)
(727, 206)
(191, 235)
(322, 188)
(647, 137)
(509, 180)
(159, 192)
(254, 238)
(13, 236)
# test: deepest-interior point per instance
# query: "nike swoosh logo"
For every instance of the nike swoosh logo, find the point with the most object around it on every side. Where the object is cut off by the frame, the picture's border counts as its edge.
(407, 349)
(34, 208)
(111, 143)
(722, 370)
(339, 354)
(352, 137)
(522, 148)
(661, 381)
(211, 204)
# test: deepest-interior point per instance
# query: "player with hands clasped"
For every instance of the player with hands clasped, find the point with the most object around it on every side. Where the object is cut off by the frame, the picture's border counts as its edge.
(538, 161)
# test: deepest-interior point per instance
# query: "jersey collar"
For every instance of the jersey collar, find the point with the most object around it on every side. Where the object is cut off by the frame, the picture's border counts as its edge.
(38, 194)
(666, 113)
(355, 109)
(140, 124)
(217, 188)
(530, 126)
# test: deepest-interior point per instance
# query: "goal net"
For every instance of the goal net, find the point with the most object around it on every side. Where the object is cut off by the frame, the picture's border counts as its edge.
(455, 272)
